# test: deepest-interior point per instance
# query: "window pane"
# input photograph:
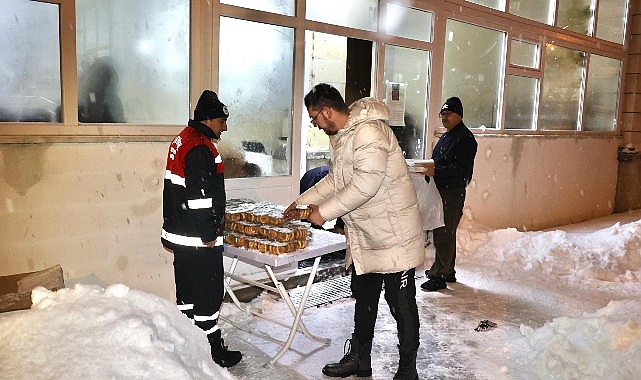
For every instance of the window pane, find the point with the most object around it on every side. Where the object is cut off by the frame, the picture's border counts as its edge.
(524, 54)
(406, 95)
(133, 61)
(576, 15)
(496, 4)
(256, 79)
(359, 14)
(408, 22)
(283, 7)
(520, 102)
(612, 20)
(472, 70)
(537, 10)
(600, 108)
(562, 85)
(30, 61)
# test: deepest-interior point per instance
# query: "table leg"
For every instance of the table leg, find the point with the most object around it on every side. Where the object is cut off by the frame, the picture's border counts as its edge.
(227, 282)
(297, 313)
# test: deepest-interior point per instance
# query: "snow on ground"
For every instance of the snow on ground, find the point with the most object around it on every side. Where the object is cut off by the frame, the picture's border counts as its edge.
(567, 304)
(88, 332)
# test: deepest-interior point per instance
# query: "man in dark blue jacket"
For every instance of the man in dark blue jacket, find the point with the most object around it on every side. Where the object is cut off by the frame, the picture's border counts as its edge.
(193, 211)
(453, 158)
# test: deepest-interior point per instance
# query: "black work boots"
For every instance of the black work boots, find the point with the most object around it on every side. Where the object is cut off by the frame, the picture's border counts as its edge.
(406, 365)
(357, 361)
(219, 352)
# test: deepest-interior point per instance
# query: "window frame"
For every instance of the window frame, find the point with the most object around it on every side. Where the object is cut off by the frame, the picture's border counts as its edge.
(204, 29)
(532, 31)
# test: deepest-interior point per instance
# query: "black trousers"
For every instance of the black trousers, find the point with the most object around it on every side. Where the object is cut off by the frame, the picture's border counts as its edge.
(445, 237)
(400, 295)
(199, 276)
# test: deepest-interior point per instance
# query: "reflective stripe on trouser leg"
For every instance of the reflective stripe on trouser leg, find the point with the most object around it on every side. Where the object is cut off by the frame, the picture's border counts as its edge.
(207, 323)
(187, 309)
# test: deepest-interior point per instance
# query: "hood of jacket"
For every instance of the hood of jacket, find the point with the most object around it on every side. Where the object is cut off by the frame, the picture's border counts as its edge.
(362, 111)
(367, 109)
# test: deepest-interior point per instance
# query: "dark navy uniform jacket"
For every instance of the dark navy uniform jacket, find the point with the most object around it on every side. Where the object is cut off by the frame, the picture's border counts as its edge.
(453, 158)
(194, 190)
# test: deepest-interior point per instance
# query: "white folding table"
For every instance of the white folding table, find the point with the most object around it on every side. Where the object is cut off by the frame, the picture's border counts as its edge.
(321, 242)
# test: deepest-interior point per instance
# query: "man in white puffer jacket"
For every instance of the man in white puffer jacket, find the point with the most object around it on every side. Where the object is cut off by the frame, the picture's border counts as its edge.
(369, 186)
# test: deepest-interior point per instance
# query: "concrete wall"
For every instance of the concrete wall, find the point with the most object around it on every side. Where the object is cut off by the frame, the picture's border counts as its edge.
(96, 208)
(93, 208)
(533, 183)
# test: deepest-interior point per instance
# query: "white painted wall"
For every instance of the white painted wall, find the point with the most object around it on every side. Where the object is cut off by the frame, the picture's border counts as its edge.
(96, 208)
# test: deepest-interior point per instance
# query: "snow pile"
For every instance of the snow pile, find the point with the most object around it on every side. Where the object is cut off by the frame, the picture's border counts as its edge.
(610, 254)
(602, 345)
(88, 332)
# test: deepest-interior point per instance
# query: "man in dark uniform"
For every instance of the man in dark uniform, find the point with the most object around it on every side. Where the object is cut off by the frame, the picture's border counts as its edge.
(453, 158)
(193, 210)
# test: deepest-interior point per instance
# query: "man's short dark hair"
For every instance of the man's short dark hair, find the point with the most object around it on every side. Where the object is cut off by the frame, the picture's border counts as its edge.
(325, 95)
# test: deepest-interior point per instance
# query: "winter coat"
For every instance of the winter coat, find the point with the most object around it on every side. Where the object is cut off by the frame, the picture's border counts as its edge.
(194, 190)
(370, 188)
(453, 158)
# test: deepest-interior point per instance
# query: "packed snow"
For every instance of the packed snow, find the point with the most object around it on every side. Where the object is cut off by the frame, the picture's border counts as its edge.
(89, 332)
(566, 304)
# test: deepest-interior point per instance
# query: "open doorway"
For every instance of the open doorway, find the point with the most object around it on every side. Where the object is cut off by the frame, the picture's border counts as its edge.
(345, 63)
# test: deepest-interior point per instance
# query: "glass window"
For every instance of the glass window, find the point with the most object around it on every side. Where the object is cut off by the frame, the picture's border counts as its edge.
(562, 85)
(133, 61)
(521, 96)
(537, 10)
(602, 93)
(576, 15)
(30, 62)
(256, 81)
(611, 20)
(496, 4)
(473, 69)
(283, 7)
(525, 54)
(406, 91)
(408, 22)
(358, 14)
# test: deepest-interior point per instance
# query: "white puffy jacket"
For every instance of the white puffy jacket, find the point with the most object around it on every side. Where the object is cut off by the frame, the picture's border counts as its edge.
(370, 188)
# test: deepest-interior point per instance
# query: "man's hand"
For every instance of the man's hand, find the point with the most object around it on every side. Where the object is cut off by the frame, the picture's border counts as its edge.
(290, 212)
(315, 216)
(338, 230)
(427, 166)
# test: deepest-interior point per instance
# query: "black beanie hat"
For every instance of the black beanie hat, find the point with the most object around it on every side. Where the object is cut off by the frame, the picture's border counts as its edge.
(453, 104)
(210, 107)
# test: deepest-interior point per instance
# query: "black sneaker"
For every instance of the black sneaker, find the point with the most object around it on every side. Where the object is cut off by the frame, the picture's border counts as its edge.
(432, 285)
(451, 277)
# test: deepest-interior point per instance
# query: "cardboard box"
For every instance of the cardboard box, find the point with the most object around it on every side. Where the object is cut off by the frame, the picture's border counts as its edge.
(15, 289)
